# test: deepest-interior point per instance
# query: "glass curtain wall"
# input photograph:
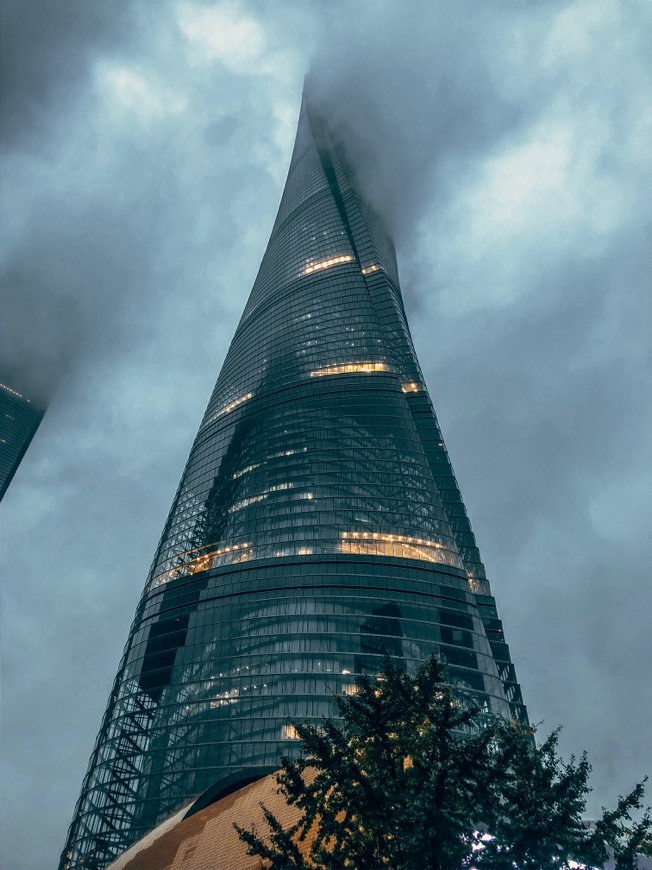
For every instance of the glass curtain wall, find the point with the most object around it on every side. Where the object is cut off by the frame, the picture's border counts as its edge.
(317, 526)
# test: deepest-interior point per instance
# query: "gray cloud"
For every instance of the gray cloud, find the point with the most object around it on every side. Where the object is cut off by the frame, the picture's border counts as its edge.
(507, 144)
(446, 89)
(47, 51)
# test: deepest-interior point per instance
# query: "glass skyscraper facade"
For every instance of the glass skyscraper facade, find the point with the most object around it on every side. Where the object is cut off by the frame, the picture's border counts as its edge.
(317, 526)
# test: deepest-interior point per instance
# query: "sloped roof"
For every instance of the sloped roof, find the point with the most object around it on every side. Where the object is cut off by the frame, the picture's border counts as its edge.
(204, 839)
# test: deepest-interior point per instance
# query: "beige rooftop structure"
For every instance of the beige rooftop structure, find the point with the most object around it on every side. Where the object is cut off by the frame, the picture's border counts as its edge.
(201, 836)
(205, 839)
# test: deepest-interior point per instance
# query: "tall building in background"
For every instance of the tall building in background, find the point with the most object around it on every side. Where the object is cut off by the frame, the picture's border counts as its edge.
(318, 524)
(19, 420)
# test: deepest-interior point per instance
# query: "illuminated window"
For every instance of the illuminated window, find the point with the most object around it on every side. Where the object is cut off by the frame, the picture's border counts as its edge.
(225, 698)
(327, 264)
(289, 732)
(246, 470)
(350, 689)
(378, 544)
(277, 487)
(294, 551)
(245, 502)
(412, 387)
(228, 408)
(13, 392)
(348, 368)
(369, 269)
(204, 561)
(289, 452)
(473, 583)
(234, 404)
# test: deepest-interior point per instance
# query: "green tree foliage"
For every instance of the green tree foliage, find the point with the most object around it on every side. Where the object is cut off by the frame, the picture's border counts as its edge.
(416, 777)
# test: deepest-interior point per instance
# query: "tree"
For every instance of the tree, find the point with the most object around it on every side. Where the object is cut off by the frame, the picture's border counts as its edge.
(415, 776)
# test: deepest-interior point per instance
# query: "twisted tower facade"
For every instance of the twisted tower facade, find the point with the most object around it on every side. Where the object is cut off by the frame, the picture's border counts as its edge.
(317, 525)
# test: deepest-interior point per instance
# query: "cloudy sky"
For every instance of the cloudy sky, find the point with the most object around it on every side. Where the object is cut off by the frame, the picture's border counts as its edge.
(507, 145)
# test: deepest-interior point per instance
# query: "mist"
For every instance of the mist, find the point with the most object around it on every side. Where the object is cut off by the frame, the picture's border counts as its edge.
(144, 155)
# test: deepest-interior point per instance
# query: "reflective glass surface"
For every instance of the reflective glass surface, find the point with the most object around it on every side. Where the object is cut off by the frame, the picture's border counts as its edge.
(317, 526)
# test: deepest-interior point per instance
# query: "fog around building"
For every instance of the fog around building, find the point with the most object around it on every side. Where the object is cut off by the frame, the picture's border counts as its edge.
(144, 154)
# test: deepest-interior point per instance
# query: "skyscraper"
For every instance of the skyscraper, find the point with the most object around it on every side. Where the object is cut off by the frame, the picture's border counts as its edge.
(19, 420)
(317, 525)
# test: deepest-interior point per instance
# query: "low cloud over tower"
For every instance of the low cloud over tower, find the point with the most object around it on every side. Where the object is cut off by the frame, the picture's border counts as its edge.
(317, 526)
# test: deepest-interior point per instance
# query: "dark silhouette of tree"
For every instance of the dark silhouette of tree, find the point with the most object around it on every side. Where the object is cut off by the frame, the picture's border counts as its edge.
(415, 776)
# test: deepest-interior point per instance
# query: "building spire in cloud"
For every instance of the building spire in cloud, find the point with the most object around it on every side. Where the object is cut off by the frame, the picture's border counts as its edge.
(317, 526)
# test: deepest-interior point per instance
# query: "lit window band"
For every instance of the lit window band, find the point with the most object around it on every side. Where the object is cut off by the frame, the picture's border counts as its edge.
(226, 555)
(290, 452)
(239, 505)
(228, 408)
(327, 264)
(278, 487)
(294, 551)
(379, 544)
(349, 368)
(246, 470)
(13, 392)
(255, 465)
(357, 543)
(369, 269)
(234, 404)
(412, 387)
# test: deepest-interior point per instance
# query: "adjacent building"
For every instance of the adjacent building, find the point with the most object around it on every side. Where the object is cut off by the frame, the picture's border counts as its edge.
(318, 525)
(19, 420)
